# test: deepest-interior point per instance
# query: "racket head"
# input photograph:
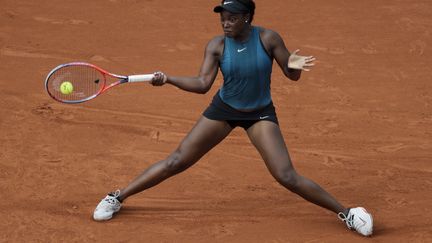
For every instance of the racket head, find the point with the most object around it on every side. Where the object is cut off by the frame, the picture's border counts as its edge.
(88, 81)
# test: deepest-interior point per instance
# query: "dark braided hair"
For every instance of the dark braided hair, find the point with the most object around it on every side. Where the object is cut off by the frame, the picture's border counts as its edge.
(250, 4)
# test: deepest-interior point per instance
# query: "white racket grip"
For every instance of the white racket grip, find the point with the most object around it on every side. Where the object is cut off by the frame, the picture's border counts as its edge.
(140, 78)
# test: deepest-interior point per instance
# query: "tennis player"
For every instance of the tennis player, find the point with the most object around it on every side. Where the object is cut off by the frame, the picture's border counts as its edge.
(244, 54)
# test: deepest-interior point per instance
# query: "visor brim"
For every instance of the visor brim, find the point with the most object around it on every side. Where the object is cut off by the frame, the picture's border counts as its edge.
(231, 9)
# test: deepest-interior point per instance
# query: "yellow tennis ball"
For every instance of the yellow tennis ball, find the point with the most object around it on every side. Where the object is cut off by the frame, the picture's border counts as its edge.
(66, 87)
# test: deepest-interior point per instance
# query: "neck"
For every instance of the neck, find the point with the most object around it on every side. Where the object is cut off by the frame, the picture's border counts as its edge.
(244, 35)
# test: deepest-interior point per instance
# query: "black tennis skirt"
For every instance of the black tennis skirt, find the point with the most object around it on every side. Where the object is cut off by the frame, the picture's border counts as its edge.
(220, 111)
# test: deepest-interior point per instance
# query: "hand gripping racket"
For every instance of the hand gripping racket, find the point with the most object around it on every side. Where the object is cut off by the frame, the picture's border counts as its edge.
(84, 81)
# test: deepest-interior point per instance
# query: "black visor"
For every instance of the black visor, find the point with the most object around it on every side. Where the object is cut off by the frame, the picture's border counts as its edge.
(232, 6)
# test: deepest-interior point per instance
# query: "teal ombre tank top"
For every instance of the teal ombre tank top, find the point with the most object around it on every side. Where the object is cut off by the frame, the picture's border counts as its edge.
(246, 68)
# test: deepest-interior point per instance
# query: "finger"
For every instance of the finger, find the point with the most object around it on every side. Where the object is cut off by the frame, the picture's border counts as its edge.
(165, 78)
(160, 75)
(156, 78)
(156, 75)
(310, 59)
(295, 52)
(309, 65)
(153, 80)
(306, 69)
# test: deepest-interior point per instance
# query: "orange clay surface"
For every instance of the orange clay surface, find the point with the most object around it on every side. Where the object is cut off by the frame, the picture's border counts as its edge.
(359, 124)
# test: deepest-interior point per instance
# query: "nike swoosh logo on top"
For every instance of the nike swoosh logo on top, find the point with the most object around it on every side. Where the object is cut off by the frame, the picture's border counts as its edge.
(263, 117)
(364, 222)
(240, 50)
(227, 2)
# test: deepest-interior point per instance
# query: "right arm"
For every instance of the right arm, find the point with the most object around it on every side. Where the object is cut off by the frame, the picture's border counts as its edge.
(209, 68)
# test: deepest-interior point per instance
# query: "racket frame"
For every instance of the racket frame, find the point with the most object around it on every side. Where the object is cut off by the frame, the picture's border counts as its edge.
(121, 79)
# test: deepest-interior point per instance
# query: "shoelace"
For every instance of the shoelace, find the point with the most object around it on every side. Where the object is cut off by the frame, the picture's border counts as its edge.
(117, 193)
(347, 219)
(113, 199)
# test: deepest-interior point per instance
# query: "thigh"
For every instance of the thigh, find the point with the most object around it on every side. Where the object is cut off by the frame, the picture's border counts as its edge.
(268, 140)
(203, 137)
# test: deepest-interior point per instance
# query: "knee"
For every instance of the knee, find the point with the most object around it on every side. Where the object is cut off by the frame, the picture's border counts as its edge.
(288, 178)
(175, 163)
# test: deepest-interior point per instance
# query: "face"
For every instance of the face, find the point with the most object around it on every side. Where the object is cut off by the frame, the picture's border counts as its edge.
(233, 25)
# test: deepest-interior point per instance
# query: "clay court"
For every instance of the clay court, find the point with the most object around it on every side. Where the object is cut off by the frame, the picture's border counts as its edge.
(359, 124)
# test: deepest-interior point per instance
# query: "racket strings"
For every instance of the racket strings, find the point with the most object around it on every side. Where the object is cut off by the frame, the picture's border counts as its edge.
(86, 82)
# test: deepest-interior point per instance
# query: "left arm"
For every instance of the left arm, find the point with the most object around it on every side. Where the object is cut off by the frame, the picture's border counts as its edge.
(290, 63)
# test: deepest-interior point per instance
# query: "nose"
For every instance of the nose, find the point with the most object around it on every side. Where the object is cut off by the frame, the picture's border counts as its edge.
(225, 24)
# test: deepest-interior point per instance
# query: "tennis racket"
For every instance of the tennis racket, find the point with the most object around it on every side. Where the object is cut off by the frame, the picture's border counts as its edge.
(77, 82)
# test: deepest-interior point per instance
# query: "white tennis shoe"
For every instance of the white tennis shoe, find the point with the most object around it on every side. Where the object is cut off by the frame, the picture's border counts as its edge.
(358, 219)
(107, 207)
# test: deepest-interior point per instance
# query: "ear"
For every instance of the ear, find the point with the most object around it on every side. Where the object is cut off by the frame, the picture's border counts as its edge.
(247, 18)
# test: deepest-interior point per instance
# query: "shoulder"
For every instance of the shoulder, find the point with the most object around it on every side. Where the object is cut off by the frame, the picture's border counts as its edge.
(215, 45)
(270, 37)
(217, 39)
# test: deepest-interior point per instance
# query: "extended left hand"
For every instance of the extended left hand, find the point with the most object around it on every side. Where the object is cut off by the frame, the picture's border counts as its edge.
(300, 62)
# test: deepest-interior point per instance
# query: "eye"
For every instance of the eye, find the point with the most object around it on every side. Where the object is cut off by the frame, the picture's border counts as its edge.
(223, 20)
(233, 19)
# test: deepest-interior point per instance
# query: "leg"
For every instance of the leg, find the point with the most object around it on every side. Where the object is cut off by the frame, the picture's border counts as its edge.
(204, 136)
(267, 138)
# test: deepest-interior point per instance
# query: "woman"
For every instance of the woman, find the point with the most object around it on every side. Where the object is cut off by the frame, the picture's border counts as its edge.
(244, 54)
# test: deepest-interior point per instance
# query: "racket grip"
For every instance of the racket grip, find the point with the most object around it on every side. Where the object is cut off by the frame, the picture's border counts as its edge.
(140, 78)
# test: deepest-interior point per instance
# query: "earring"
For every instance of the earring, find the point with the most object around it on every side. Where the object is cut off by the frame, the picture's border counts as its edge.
(246, 21)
